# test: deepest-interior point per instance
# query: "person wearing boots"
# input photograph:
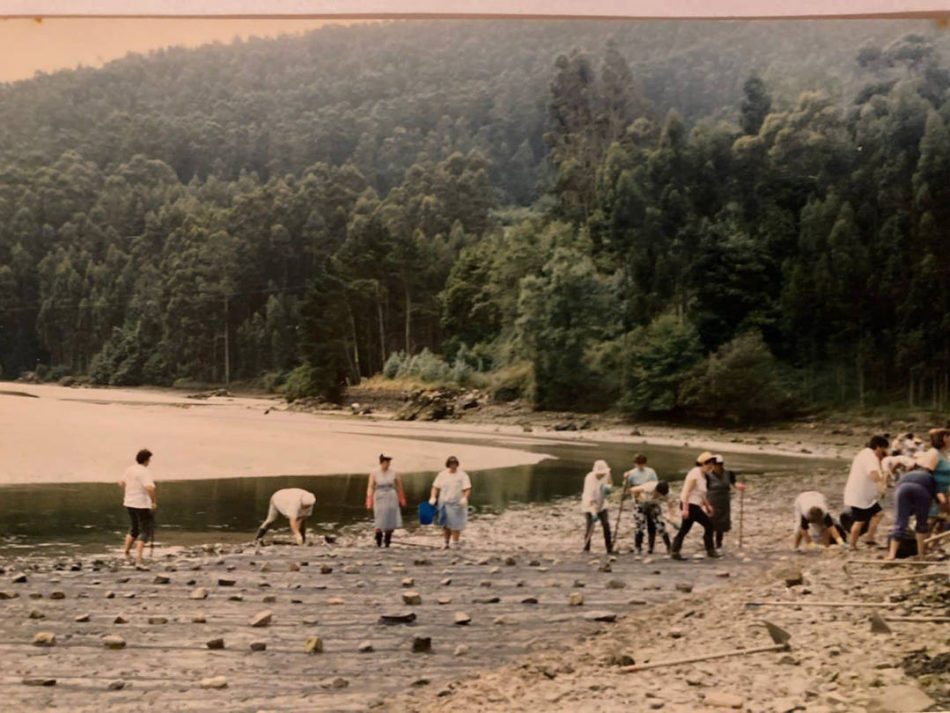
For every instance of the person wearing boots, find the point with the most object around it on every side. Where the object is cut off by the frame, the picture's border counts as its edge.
(696, 506)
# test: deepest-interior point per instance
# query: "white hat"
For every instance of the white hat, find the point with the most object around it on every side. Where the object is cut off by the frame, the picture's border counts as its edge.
(601, 467)
(718, 459)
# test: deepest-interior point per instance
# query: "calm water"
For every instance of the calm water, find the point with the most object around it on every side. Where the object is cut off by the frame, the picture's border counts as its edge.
(89, 515)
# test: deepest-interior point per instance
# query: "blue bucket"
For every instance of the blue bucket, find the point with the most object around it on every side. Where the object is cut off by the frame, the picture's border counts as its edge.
(426, 513)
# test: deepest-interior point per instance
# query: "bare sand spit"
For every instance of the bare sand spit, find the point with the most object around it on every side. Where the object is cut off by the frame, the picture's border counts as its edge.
(91, 435)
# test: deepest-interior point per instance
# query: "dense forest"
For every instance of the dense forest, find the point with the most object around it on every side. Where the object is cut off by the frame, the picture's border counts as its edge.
(726, 219)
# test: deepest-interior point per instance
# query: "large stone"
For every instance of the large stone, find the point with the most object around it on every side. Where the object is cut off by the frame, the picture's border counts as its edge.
(897, 699)
(39, 681)
(575, 599)
(313, 645)
(605, 616)
(461, 618)
(214, 682)
(199, 593)
(412, 598)
(421, 644)
(397, 617)
(791, 575)
(262, 618)
(721, 699)
(258, 646)
(113, 641)
(226, 582)
(44, 638)
(215, 644)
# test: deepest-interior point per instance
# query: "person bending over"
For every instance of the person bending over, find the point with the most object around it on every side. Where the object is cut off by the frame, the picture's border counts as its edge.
(296, 505)
(916, 490)
(813, 521)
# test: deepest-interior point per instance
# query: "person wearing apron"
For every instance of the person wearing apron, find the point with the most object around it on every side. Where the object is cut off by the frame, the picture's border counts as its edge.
(384, 496)
(719, 484)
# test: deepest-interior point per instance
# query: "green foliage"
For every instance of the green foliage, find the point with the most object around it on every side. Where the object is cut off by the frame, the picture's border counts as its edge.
(741, 381)
(660, 358)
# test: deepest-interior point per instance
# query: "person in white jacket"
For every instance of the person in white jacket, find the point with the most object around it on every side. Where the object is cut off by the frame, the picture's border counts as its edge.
(597, 486)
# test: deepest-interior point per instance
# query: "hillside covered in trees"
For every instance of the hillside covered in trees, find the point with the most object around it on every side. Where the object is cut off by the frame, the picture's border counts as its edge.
(731, 219)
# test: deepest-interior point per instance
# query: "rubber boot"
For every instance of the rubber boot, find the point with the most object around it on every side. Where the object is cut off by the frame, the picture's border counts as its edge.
(379, 538)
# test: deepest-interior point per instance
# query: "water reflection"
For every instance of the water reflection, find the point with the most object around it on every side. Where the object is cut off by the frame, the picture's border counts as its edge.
(91, 513)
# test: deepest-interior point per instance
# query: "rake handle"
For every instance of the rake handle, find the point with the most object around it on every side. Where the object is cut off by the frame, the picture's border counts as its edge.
(706, 657)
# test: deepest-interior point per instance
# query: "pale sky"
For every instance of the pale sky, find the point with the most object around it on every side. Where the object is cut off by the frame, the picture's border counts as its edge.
(28, 46)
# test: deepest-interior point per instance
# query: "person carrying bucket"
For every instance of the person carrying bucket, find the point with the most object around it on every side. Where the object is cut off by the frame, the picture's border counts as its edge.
(449, 495)
(597, 486)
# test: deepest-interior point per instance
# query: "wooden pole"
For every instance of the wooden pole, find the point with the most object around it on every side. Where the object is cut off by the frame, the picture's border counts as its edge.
(706, 657)
(741, 513)
(921, 619)
(935, 538)
(888, 563)
(887, 605)
(905, 577)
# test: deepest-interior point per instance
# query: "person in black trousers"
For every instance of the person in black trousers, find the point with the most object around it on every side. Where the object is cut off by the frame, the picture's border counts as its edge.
(696, 506)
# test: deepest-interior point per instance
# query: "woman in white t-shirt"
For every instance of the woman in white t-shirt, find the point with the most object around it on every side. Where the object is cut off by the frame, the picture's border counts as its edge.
(449, 495)
(696, 506)
(139, 500)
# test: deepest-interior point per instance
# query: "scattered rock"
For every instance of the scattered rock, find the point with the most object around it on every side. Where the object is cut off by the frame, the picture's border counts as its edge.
(365, 647)
(161, 579)
(226, 582)
(411, 598)
(157, 620)
(258, 646)
(408, 581)
(421, 644)
(575, 599)
(81, 619)
(215, 644)
(899, 698)
(684, 587)
(20, 579)
(44, 638)
(120, 620)
(39, 681)
(461, 618)
(605, 616)
(199, 619)
(878, 625)
(214, 682)
(199, 593)
(113, 641)
(57, 595)
(36, 614)
(461, 650)
(313, 645)
(791, 575)
(616, 584)
(720, 699)
(116, 685)
(262, 618)
(446, 582)
(403, 617)
(334, 683)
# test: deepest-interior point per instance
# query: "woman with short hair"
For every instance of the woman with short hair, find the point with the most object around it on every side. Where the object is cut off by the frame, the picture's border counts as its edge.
(696, 506)
(449, 495)
(916, 490)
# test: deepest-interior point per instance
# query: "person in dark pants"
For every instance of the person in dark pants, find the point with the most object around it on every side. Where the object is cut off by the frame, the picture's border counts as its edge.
(696, 506)
(916, 490)
(597, 486)
(719, 484)
(139, 499)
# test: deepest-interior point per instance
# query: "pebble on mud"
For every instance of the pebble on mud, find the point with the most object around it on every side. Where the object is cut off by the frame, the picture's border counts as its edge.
(421, 644)
(199, 593)
(215, 644)
(411, 598)
(44, 638)
(576, 599)
(721, 699)
(113, 641)
(39, 681)
(313, 645)
(461, 618)
(258, 646)
(262, 618)
(214, 682)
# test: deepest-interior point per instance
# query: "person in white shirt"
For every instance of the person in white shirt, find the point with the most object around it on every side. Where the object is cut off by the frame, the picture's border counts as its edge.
(449, 495)
(895, 465)
(640, 473)
(813, 518)
(865, 486)
(296, 505)
(696, 506)
(139, 499)
(597, 485)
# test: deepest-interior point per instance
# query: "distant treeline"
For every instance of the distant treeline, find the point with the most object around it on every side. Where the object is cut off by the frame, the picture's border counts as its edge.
(723, 219)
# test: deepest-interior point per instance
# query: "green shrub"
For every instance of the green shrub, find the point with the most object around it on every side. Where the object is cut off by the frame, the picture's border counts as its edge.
(742, 381)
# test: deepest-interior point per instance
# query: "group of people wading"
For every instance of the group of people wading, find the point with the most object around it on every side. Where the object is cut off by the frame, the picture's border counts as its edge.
(920, 476)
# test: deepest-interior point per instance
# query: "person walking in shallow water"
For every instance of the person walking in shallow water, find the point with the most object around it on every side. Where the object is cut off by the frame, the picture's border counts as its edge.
(449, 495)
(696, 506)
(384, 496)
(140, 502)
(597, 487)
